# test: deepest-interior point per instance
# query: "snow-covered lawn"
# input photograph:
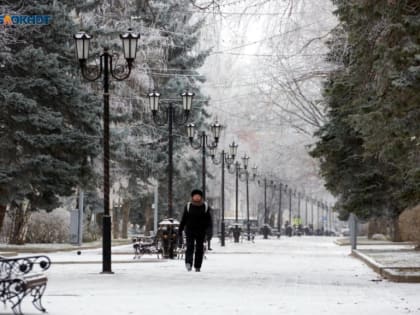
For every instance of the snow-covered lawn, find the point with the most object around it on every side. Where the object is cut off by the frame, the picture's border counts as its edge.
(306, 276)
(396, 258)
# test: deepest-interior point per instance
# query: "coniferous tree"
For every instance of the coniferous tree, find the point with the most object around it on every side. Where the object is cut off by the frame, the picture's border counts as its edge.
(369, 149)
(49, 122)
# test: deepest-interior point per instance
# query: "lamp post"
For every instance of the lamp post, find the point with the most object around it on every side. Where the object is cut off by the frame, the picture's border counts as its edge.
(317, 216)
(240, 172)
(228, 159)
(236, 170)
(203, 144)
(299, 196)
(290, 212)
(312, 215)
(265, 185)
(325, 219)
(106, 69)
(332, 227)
(170, 118)
(280, 214)
(289, 190)
(245, 161)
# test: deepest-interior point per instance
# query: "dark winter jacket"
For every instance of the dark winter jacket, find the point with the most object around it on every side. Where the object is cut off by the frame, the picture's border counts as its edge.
(196, 220)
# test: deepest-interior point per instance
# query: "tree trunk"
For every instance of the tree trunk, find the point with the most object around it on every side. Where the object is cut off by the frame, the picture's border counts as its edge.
(396, 233)
(126, 207)
(115, 222)
(2, 215)
(148, 220)
(20, 216)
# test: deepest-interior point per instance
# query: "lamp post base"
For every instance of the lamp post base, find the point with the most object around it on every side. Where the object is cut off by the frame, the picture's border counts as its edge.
(106, 244)
(236, 234)
(222, 237)
(265, 232)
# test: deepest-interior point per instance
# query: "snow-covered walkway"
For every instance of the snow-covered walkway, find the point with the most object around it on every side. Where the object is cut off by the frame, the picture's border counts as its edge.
(305, 276)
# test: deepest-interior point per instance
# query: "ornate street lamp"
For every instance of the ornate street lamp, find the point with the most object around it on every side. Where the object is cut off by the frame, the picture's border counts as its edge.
(82, 46)
(204, 144)
(265, 183)
(280, 213)
(106, 69)
(216, 128)
(233, 149)
(318, 204)
(290, 191)
(245, 162)
(298, 221)
(170, 117)
(154, 98)
(237, 170)
(312, 215)
(187, 98)
(225, 159)
(306, 211)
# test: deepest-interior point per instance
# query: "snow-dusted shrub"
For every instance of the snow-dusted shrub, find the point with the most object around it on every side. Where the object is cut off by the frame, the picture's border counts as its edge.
(409, 225)
(91, 229)
(379, 237)
(378, 225)
(50, 227)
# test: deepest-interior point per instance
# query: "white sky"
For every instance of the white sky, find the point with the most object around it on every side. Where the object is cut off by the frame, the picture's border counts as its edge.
(233, 78)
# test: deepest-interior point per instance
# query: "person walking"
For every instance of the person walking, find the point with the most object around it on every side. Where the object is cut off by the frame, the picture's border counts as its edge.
(197, 222)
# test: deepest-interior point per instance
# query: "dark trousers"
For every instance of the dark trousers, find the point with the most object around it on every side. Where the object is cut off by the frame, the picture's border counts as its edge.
(195, 242)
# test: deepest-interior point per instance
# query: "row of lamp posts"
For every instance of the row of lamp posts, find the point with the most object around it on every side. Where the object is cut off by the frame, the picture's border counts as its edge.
(107, 70)
(266, 183)
(170, 117)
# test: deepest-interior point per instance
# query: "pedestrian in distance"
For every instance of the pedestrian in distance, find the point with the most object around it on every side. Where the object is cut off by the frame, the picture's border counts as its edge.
(197, 222)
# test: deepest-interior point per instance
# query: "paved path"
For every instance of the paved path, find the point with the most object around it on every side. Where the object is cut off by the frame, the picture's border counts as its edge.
(305, 276)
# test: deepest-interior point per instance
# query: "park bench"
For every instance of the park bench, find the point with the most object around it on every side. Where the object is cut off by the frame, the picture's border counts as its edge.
(244, 236)
(21, 277)
(146, 245)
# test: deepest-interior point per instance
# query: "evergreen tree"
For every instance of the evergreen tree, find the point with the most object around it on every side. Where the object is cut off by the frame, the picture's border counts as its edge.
(369, 149)
(49, 123)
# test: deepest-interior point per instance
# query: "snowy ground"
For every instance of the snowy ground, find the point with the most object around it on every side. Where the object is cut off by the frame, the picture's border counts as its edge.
(394, 257)
(305, 276)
